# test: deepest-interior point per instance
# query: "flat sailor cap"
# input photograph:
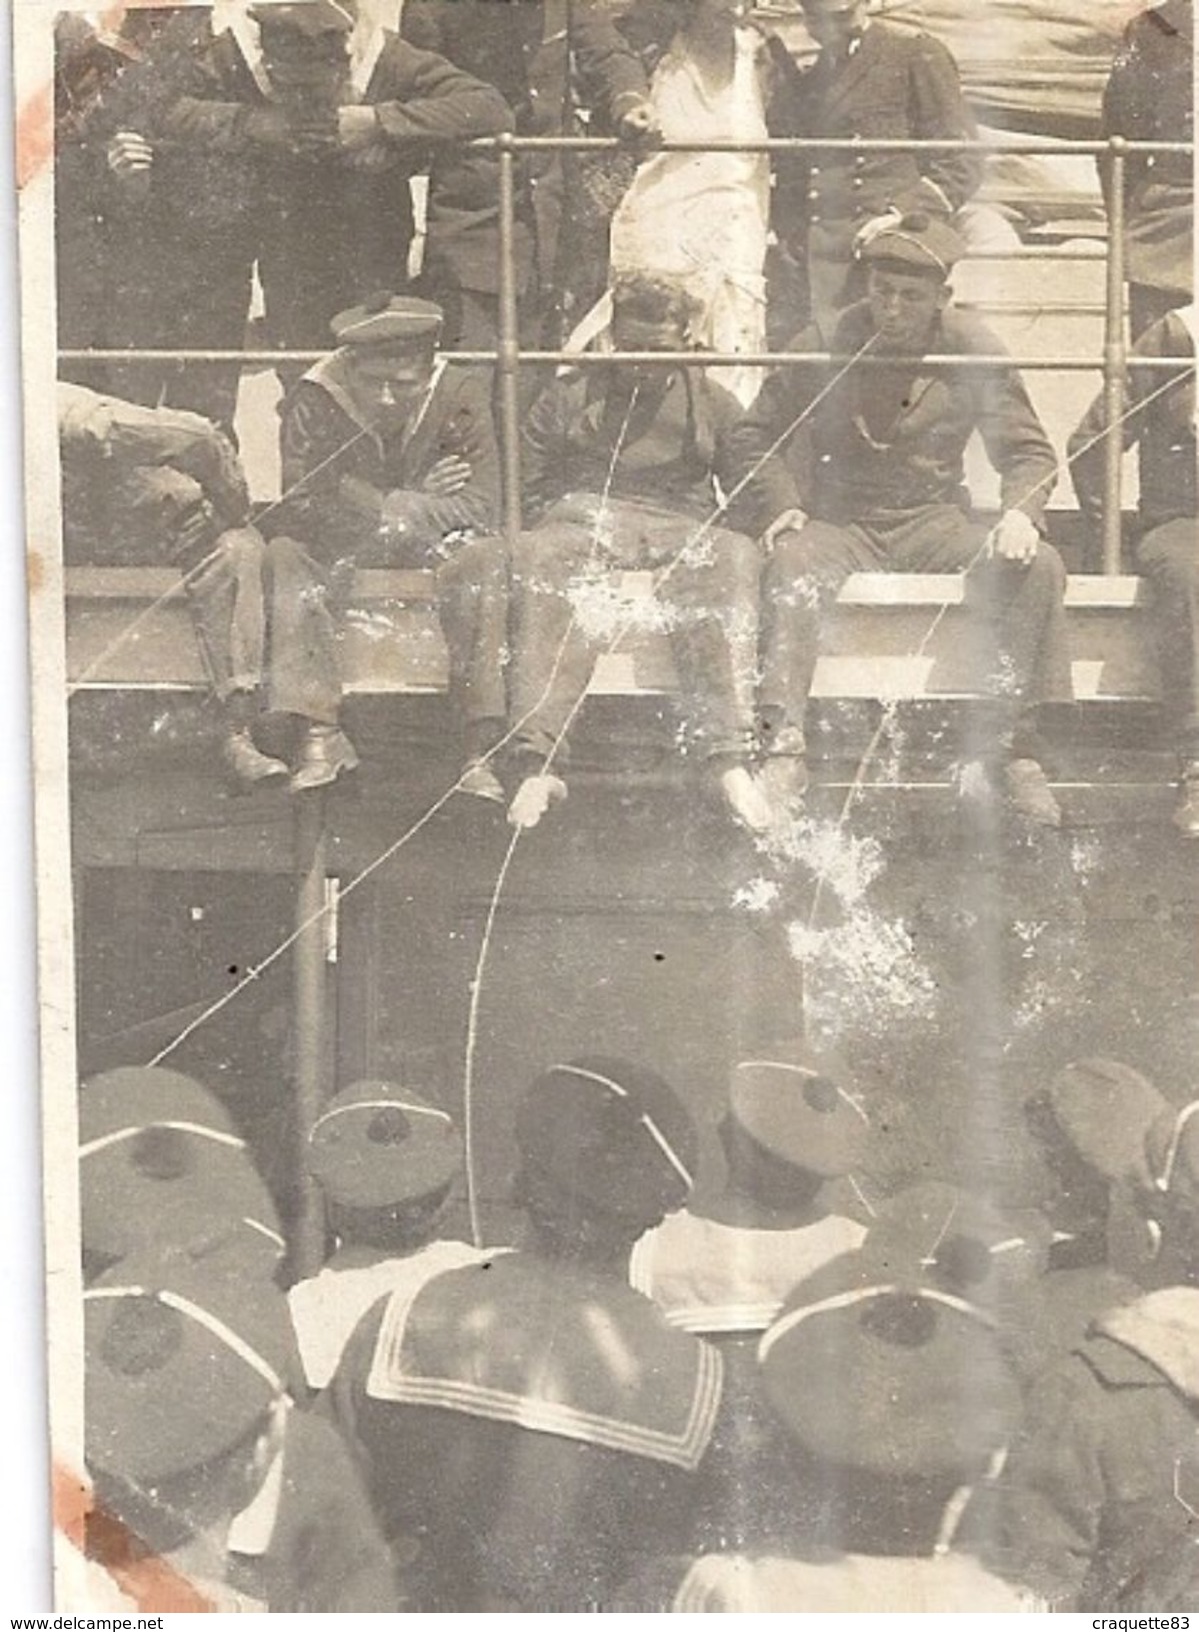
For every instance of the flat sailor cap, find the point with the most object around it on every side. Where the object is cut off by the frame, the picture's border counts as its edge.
(889, 1378)
(918, 243)
(180, 1364)
(303, 19)
(378, 1144)
(389, 322)
(612, 1132)
(1105, 1109)
(161, 1167)
(796, 1106)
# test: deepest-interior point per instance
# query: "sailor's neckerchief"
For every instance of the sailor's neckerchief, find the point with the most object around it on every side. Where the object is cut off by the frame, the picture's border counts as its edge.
(232, 17)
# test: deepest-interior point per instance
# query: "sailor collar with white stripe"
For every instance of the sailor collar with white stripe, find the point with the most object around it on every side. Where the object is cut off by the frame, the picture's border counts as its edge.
(331, 375)
(643, 1117)
(366, 41)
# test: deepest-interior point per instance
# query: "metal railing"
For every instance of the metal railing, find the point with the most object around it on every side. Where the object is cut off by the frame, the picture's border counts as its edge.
(509, 355)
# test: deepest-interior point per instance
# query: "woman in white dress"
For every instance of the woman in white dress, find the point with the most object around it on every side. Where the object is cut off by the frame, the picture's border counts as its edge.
(702, 219)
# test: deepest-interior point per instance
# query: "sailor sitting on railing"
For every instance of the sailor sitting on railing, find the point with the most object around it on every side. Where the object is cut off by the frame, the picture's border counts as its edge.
(389, 459)
(618, 467)
(1161, 422)
(150, 486)
(879, 484)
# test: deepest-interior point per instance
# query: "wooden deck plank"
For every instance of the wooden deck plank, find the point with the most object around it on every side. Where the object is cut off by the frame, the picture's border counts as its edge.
(129, 628)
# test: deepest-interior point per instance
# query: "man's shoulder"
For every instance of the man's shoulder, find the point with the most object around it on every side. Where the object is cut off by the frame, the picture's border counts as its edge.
(905, 43)
(315, 402)
(964, 331)
(401, 63)
(460, 385)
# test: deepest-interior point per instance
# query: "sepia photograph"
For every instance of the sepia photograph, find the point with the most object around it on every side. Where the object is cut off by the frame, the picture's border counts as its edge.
(614, 645)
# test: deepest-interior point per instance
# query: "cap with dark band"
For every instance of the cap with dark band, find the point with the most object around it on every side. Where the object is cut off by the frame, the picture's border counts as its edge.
(160, 1166)
(890, 1378)
(305, 19)
(1105, 1109)
(179, 1366)
(939, 1236)
(379, 1145)
(394, 323)
(612, 1132)
(795, 1106)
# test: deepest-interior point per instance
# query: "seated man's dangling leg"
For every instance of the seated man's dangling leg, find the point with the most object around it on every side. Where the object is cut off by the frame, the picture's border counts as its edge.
(1021, 656)
(303, 672)
(713, 589)
(553, 656)
(1034, 658)
(803, 573)
(1169, 557)
(472, 603)
(225, 596)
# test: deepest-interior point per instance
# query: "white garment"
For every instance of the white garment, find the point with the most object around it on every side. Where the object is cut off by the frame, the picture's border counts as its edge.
(326, 1309)
(731, 1583)
(701, 219)
(709, 1277)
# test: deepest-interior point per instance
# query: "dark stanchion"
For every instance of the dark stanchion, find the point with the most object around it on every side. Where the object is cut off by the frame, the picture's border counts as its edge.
(508, 362)
(310, 987)
(1114, 361)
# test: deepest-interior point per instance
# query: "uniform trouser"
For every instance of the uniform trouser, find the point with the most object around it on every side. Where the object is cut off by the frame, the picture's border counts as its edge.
(1020, 656)
(1169, 557)
(226, 601)
(303, 599)
(563, 617)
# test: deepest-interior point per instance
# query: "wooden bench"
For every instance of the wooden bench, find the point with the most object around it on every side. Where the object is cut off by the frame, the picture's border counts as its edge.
(392, 641)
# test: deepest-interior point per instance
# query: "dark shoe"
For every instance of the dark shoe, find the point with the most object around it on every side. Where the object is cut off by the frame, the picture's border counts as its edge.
(325, 754)
(1029, 794)
(480, 781)
(1186, 811)
(246, 761)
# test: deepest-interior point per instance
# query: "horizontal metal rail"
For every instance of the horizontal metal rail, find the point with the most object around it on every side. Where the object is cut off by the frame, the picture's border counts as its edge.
(663, 359)
(825, 144)
(508, 356)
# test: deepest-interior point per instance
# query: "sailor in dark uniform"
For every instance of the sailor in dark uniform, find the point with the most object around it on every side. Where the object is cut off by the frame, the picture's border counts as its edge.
(869, 80)
(875, 482)
(618, 469)
(160, 486)
(1104, 1478)
(1150, 97)
(530, 51)
(532, 1424)
(1160, 421)
(386, 1160)
(207, 1476)
(288, 140)
(389, 459)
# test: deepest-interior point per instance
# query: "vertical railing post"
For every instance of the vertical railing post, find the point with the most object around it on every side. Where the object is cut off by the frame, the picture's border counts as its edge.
(508, 367)
(1114, 360)
(310, 1010)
